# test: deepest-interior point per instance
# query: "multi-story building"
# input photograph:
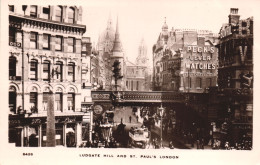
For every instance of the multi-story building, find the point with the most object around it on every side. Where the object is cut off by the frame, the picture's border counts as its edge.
(137, 75)
(185, 60)
(46, 55)
(234, 100)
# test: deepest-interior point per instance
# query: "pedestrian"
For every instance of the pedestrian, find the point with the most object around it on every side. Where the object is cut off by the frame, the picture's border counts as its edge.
(202, 144)
(137, 117)
(198, 144)
(130, 119)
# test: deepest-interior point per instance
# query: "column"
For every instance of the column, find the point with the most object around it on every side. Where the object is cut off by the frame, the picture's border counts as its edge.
(18, 101)
(90, 125)
(40, 39)
(77, 102)
(26, 128)
(27, 101)
(40, 135)
(22, 137)
(65, 68)
(78, 134)
(40, 70)
(40, 105)
(64, 134)
(64, 102)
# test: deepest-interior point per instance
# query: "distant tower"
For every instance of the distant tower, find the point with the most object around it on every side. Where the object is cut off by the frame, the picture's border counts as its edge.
(142, 54)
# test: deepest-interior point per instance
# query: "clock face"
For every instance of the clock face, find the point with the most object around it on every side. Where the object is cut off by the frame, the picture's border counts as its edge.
(98, 109)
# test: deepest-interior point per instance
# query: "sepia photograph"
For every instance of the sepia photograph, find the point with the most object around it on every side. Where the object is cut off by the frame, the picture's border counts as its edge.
(129, 80)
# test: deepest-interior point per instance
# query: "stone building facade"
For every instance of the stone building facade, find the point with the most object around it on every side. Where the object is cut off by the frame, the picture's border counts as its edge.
(234, 97)
(45, 55)
(185, 60)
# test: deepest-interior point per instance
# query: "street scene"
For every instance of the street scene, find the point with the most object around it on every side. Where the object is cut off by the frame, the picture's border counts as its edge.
(75, 80)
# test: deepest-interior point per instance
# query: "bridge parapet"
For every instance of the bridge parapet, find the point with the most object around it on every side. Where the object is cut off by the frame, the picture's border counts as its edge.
(138, 96)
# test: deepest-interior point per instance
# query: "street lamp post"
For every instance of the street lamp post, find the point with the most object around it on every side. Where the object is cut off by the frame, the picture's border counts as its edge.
(161, 111)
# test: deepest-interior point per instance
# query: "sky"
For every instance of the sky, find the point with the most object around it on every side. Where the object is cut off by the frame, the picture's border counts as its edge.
(144, 18)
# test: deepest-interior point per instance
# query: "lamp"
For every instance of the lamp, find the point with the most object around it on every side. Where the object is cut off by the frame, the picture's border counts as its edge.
(161, 112)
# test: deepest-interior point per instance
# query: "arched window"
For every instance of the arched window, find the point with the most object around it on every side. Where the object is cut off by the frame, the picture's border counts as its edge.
(12, 68)
(33, 69)
(71, 72)
(12, 99)
(34, 100)
(71, 100)
(58, 13)
(71, 15)
(58, 100)
(46, 71)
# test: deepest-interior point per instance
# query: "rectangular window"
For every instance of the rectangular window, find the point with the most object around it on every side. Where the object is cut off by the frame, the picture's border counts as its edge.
(199, 82)
(11, 35)
(58, 71)
(33, 11)
(71, 16)
(45, 96)
(33, 101)
(46, 71)
(58, 43)
(137, 85)
(71, 72)
(58, 101)
(33, 40)
(33, 70)
(71, 42)
(209, 82)
(46, 41)
(46, 12)
(71, 101)
(58, 14)
(11, 8)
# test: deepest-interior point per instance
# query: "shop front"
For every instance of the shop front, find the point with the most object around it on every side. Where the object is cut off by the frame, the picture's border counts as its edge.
(31, 132)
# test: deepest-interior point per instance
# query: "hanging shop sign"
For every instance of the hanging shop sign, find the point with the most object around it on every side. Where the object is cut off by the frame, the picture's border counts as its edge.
(98, 109)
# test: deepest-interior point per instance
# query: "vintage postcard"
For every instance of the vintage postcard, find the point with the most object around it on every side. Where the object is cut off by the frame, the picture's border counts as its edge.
(129, 81)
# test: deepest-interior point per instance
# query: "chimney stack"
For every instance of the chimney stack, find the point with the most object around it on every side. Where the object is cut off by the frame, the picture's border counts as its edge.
(233, 16)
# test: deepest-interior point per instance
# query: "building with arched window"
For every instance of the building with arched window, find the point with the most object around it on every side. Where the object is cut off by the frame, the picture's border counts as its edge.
(46, 56)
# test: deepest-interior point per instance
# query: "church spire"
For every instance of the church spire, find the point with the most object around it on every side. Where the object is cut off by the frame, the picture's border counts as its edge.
(109, 22)
(117, 43)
